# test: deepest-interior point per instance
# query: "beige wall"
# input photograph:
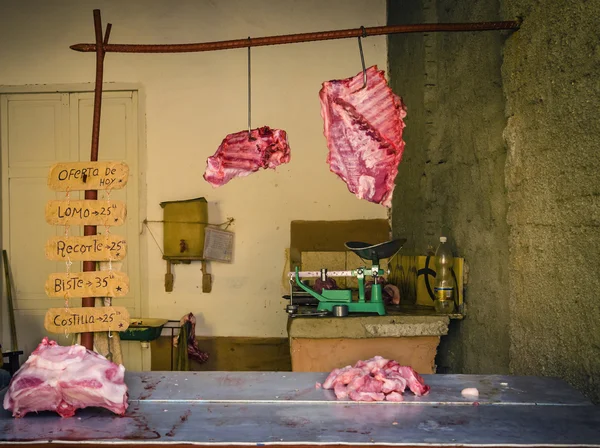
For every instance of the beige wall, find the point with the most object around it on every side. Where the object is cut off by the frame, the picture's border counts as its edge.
(192, 102)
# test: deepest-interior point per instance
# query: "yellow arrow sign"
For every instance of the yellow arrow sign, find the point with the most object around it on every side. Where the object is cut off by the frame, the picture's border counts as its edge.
(88, 176)
(91, 248)
(93, 213)
(81, 320)
(87, 284)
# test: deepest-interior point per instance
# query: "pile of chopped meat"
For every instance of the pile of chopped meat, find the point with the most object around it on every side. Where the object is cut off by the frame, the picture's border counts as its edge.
(376, 379)
(244, 152)
(64, 379)
(363, 128)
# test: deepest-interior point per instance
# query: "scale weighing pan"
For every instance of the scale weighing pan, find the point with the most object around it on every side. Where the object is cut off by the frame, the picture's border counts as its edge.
(376, 252)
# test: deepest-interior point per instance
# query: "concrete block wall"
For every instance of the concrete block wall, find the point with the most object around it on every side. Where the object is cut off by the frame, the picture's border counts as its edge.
(502, 155)
(550, 75)
(451, 179)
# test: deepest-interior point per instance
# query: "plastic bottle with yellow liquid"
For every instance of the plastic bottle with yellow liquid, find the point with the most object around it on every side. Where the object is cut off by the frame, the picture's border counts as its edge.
(444, 283)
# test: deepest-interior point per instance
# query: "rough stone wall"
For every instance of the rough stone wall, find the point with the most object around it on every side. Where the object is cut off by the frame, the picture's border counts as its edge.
(525, 212)
(406, 73)
(451, 179)
(551, 77)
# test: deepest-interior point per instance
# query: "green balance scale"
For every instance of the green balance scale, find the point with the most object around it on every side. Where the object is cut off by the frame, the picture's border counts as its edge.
(332, 297)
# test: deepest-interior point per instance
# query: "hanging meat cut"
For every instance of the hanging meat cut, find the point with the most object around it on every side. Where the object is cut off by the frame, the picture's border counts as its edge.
(375, 379)
(244, 152)
(363, 128)
(64, 379)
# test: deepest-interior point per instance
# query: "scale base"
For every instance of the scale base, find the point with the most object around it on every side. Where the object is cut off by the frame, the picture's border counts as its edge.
(355, 307)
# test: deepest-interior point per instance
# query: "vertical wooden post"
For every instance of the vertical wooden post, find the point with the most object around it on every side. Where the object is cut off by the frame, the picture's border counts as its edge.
(87, 339)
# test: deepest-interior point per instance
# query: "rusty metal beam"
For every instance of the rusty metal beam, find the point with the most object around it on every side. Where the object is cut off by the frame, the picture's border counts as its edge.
(297, 38)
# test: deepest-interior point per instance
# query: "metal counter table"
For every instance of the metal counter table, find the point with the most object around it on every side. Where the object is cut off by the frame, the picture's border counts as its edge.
(264, 408)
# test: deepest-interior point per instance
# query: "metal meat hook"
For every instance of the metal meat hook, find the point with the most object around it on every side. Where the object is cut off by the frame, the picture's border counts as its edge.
(249, 92)
(362, 56)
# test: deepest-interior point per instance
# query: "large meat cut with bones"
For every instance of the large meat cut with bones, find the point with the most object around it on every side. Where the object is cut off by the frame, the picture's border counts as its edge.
(363, 128)
(64, 379)
(244, 152)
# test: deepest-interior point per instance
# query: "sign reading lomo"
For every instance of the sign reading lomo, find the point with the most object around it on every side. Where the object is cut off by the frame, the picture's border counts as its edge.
(87, 284)
(82, 212)
(86, 248)
(80, 320)
(88, 176)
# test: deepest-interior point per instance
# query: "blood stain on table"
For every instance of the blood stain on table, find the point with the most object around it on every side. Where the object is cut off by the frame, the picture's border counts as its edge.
(182, 419)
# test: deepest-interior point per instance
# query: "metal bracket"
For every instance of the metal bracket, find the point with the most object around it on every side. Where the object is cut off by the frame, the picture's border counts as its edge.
(170, 279)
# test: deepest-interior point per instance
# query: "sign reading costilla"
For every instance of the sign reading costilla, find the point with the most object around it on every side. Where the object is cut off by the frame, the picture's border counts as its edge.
(88, 176)
(87, 284)
(80, 320)
(86, 248)
(82, 212)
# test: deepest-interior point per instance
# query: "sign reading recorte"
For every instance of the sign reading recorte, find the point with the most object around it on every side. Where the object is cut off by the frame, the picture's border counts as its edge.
(82, 212)
(91, 248)
(88, 176)
(79, 320)
(87, 284)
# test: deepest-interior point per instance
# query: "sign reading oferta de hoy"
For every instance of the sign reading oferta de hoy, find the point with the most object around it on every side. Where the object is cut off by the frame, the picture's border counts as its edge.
(88, 176)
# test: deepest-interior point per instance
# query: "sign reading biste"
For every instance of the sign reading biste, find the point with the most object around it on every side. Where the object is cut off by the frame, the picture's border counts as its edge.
(74, 176)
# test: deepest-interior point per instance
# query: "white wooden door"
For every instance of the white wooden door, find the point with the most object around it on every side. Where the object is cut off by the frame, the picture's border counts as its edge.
(38, 130)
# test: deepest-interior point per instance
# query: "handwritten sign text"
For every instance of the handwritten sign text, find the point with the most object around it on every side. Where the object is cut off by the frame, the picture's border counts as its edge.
(88, 176)
(79, 320)
(87, 284)
(82, 212)
(91, 248)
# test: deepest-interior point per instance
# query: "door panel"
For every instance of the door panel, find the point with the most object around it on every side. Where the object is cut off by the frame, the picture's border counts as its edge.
(38, 130)
(35, 130)
(116, 111)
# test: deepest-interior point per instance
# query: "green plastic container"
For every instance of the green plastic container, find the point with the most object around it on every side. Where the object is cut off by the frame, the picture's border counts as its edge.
(144, 330)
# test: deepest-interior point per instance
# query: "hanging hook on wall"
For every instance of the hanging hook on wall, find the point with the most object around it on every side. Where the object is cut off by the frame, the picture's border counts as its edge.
(362, 56)
(249, 91)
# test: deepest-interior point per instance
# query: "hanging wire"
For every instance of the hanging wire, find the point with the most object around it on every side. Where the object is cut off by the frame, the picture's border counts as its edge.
(362, 56)
(107, 234)
(67, 334)
(249, 91)
(68, 262)
(153, 237)
(145, 222)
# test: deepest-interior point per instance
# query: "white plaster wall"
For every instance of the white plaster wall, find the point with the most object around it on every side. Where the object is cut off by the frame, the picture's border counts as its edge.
(192, 101)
